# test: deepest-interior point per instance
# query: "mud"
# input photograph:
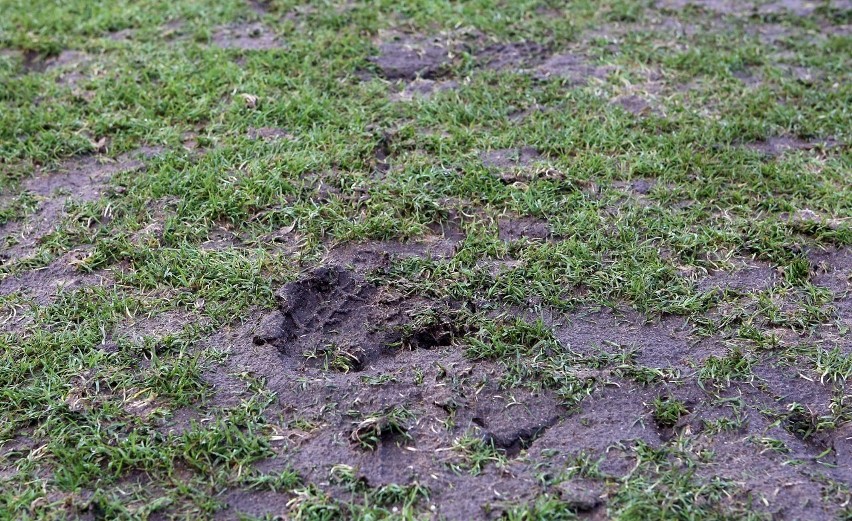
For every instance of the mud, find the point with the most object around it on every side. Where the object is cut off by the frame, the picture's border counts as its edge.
(832, 269)
(42, 285)
(333, 319)
(744, 278)
(260, 7)
(72, 66)
(634, 104)
(370, 350)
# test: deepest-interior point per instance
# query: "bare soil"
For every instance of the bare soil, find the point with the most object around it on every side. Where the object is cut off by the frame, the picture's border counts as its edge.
(408, 57)
(79, 180)
(247, 37)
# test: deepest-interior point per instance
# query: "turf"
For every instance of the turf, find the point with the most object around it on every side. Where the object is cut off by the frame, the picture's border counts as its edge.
(423, 259)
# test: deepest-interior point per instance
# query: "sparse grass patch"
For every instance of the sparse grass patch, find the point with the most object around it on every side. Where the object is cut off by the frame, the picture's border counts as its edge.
(667, 411)
(370, 431)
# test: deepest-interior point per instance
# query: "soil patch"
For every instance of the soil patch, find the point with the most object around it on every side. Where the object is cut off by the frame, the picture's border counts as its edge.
(572, 68)
(509, 157)
(611, 415)
(260, 7)
(833, 269)
(745, 278)
(82, 179)
(377, 357)
(666, 343)
(44, 284)
(726, 7)
(407, 57)
(247, 37)
(423, 89)
(268, 134)
(525, 227)
(634, 104)
(336, 320)
(520, 56)
(778, 145)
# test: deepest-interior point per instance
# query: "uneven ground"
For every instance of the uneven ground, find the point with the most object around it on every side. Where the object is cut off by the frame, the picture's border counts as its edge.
(522, 260)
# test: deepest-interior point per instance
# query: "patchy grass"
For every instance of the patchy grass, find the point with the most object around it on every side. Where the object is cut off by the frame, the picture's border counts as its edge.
(625, 224)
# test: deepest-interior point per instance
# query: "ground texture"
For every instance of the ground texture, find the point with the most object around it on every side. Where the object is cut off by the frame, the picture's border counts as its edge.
(520, 260)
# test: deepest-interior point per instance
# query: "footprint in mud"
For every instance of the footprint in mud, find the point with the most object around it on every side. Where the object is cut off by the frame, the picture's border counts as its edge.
(336, 320)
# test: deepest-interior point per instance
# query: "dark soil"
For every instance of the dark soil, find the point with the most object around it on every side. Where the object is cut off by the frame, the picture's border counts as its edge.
(377, 339)
(335, 312)
(833, 270)
(407, 57)
(44, 284)
(662, 344)
(530, 228)
(746, 278)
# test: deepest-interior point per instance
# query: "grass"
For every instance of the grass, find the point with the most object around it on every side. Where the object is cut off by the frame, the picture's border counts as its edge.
(370, 431)
(667, 411)
(638, 211)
